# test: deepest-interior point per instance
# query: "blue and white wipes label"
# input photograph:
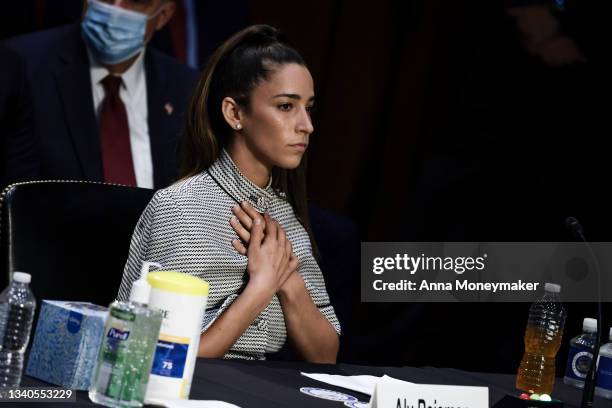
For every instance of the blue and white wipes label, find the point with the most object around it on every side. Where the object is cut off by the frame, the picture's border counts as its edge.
(169, 360)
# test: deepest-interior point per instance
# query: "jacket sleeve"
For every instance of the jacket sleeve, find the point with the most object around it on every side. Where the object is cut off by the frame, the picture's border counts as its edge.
(162, 236)
(154, 239)
(315, 285)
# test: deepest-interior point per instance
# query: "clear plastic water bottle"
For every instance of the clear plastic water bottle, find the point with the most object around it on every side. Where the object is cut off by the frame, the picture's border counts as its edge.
(542, 341)
(17, 305)
(580, 355)
(604, 370)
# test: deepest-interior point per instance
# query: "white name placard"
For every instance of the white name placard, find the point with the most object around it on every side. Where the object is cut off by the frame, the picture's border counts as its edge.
(392, 393)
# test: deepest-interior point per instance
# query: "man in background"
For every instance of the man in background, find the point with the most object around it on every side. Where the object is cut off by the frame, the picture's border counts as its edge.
(107, 107)
(18, 158)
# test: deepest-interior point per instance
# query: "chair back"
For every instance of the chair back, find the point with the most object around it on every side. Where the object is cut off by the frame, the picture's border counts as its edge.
(73, 237)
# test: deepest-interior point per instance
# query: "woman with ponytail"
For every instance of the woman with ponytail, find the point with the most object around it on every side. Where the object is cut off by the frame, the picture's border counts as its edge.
(237, 217)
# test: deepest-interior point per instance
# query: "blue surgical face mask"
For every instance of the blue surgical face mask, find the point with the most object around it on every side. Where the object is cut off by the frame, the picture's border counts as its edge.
(112, 33)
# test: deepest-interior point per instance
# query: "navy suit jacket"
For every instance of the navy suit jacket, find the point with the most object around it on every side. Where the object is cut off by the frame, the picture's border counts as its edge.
(66, 126)
(18, 159)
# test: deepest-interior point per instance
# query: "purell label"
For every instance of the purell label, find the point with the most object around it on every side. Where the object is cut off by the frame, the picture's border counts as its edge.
(117, 334)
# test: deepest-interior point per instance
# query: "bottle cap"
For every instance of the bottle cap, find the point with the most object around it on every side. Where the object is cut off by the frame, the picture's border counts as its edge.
(22, 277)
(552, 287)
(141, 289)
(589, 325)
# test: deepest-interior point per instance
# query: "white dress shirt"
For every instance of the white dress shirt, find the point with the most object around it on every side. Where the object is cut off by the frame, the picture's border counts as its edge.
(133, 93)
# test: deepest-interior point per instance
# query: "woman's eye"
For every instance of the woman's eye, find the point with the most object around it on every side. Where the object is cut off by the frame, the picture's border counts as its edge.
(285, 107)
(310, 109)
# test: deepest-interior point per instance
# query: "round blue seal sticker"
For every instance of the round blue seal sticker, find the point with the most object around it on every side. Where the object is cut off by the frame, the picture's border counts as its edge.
(327, 394)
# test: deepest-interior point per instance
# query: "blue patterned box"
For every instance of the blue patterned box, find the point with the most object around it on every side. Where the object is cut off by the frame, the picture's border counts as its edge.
(66, 343)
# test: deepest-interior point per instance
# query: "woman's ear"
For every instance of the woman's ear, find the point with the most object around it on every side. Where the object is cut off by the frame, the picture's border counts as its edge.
(231, 113)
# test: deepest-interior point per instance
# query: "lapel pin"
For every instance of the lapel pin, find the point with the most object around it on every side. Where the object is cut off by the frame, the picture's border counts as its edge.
(168, 108)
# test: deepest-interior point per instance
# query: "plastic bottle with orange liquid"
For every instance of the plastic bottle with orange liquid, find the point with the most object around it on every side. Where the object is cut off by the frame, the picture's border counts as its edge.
(542, 340)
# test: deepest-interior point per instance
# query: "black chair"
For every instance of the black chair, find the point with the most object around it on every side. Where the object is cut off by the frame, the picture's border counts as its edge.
(73, 237)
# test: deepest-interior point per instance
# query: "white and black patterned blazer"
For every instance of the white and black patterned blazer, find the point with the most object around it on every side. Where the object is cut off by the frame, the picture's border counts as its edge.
(186, 228)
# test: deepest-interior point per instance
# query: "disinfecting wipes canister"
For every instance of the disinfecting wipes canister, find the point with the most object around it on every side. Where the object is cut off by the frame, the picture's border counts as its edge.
(182, 301)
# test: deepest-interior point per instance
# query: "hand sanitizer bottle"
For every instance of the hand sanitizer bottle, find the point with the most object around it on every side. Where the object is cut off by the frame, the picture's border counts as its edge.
(124, 362)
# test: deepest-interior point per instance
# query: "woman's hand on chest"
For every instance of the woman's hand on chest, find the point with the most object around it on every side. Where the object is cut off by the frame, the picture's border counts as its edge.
(271, 261)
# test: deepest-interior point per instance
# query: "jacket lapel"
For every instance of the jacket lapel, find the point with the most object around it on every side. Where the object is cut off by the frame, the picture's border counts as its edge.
(74, 86)
(160, 117)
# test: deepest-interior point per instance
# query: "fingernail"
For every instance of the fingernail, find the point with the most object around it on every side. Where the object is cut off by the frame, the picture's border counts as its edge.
(233, 219)
(235, 208)
(257, 221)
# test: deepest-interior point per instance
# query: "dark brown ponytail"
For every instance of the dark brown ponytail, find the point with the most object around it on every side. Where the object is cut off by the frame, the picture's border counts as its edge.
(241, 63)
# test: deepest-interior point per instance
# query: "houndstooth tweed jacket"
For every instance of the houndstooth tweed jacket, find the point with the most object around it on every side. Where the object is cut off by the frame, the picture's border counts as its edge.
(186, 228)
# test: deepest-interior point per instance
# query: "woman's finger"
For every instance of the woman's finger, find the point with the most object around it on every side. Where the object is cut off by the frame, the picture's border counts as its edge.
(281, 236)
(244, 235)
(238, 246)
(270, 228)
(245, 219)
(288, 248)
(283, 263)
(250, 211)
(280, 232)
(256, 233)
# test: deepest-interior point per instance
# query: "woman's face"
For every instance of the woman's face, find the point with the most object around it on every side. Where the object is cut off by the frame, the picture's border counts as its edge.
(278, 125)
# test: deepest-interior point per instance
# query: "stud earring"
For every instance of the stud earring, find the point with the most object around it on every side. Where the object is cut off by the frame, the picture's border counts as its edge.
(238, 126)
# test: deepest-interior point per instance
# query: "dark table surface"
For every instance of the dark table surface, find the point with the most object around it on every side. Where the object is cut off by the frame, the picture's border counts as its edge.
(277, 384)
